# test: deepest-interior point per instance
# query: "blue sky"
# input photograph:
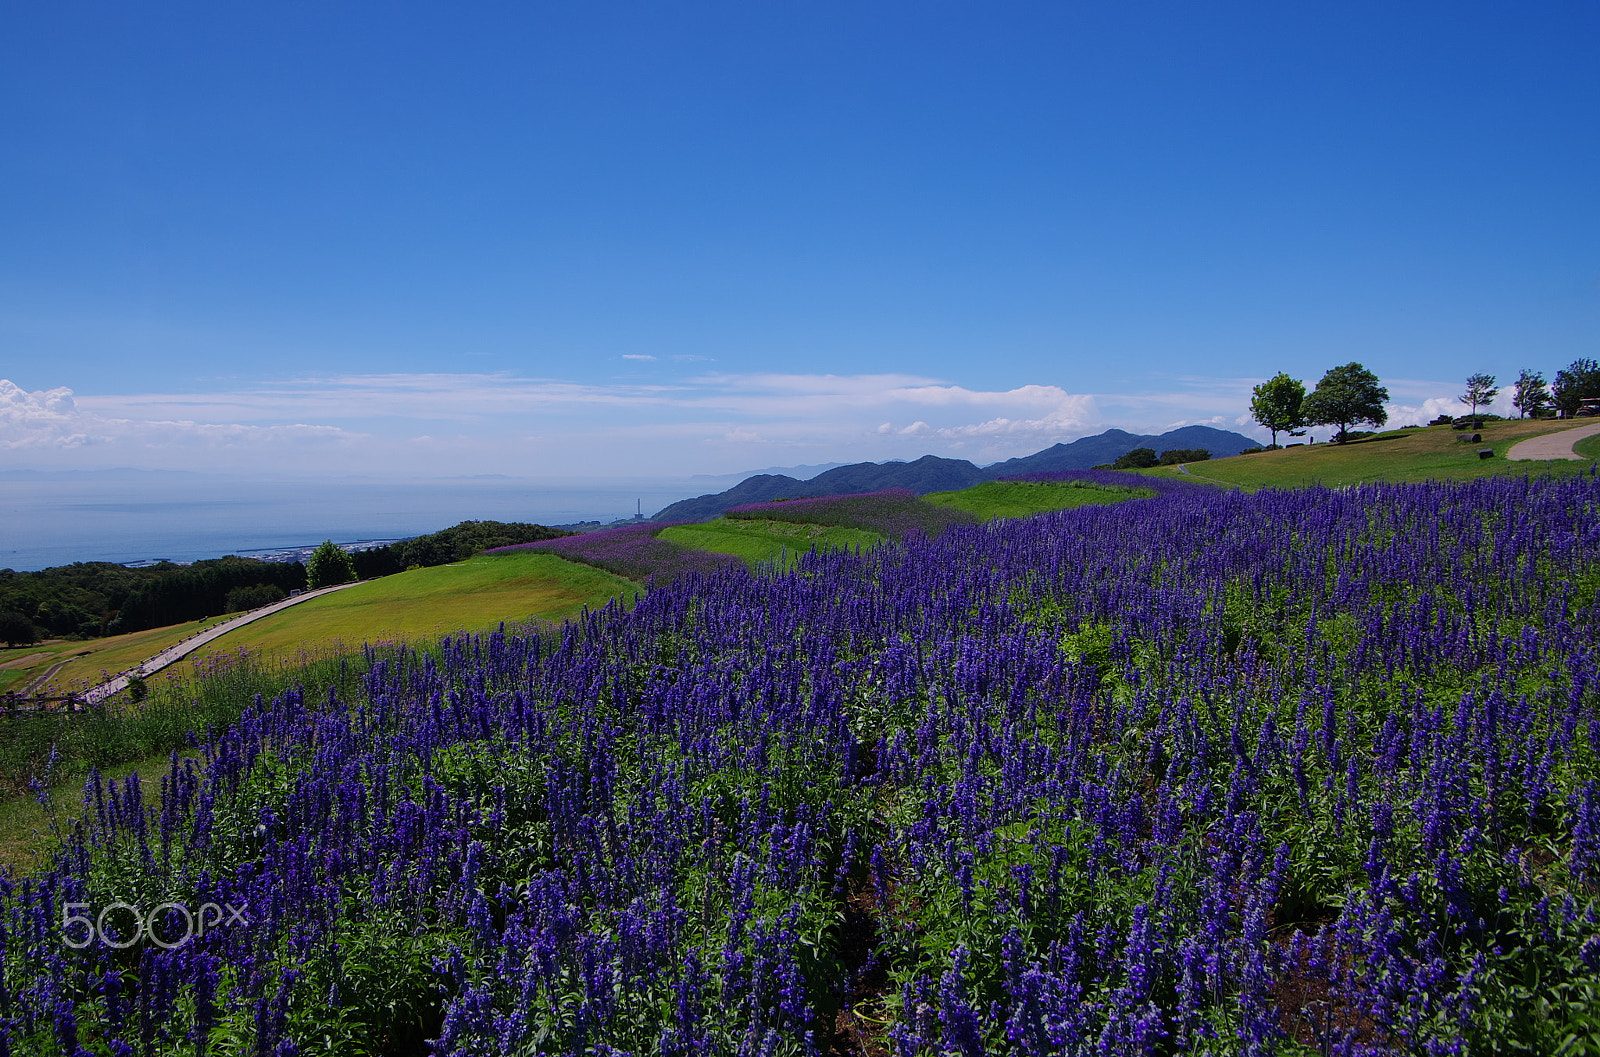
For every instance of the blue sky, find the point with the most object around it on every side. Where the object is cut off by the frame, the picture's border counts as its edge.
(670, 238)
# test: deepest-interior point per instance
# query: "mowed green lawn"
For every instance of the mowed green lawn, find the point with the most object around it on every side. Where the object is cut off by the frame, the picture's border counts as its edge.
(998, 499)
(471, 595)
(766, 541)
(1430, 453)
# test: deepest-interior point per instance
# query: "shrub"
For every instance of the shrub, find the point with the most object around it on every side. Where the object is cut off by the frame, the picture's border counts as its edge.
(328, 565)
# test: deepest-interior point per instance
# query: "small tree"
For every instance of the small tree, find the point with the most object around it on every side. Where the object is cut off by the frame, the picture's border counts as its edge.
(1532, 395)
(1347, 395)
(1481, 391)
(1277, 404)
(1580, 381)
(328, 565)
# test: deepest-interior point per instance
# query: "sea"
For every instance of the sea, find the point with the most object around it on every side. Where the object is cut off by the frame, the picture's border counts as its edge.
(58, 517)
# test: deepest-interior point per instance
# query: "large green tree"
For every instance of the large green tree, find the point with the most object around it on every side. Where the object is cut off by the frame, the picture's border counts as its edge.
(1481, 391)
(1345, 396)
(1532, 395)
(1277, 404)
(1580, 381)
(328, 565)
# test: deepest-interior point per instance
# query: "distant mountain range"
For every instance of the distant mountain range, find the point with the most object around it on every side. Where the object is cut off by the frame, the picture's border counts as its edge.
(933, 474)
(801, 473)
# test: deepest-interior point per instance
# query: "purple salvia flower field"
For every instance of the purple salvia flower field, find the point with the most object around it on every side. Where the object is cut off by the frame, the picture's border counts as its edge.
(632, 552)
(893, 512)
(1293, 772)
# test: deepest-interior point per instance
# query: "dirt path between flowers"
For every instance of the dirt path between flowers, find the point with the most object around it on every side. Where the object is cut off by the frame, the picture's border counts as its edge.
(1556, 445)
(194, 642)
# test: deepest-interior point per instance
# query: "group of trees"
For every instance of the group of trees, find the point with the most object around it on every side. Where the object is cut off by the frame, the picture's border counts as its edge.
(1346, 396)
(88, 599)
(1576, 385)
(1144, 458)
(1351, 394)
(204, 589)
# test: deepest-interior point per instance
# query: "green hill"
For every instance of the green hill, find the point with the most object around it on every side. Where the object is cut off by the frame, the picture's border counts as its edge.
(473, 595)
(999, 499)
(1414, 454)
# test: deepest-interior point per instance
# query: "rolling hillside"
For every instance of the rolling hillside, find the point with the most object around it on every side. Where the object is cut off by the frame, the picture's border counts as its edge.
(933, 474)
(1432, 453)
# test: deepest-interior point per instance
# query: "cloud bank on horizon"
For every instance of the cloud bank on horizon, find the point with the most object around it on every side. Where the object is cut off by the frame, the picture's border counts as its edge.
(440, 424)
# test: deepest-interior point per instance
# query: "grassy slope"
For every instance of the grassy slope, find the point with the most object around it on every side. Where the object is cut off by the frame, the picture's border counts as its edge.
(755, 542)
(1588, 447)
(87, 659)
(1432, 453)
(998, 499)
(473, 595)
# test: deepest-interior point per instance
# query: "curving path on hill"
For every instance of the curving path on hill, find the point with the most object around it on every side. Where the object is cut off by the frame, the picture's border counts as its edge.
(175, 653)
(1557, 445)
(1183, 468)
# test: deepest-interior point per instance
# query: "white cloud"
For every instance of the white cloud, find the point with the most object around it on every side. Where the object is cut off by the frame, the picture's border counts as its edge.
(50, 421)
(406, 424)
(637, 356)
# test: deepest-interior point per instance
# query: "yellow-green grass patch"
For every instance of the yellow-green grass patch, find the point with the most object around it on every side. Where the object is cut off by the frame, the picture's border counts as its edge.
(1588, 447)
(476, 594)
(1428, 453)
(755, 542)
(85, 660)
(1002, 499)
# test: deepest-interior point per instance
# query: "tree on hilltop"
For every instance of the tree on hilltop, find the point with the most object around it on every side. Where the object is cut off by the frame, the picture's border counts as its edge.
(1532, 395)
(328, 565)
(1345, 396)
(1278, 404)
(1481, 391)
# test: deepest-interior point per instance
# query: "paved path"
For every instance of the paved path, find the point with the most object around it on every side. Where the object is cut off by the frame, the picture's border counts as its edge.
(194, 642)
(1557, 445)
(1183, 468)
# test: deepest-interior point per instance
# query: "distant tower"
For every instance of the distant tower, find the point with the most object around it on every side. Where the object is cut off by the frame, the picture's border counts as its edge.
(638, 510)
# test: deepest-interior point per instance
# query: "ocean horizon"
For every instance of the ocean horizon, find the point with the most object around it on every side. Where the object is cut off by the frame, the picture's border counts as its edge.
(57, 518)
